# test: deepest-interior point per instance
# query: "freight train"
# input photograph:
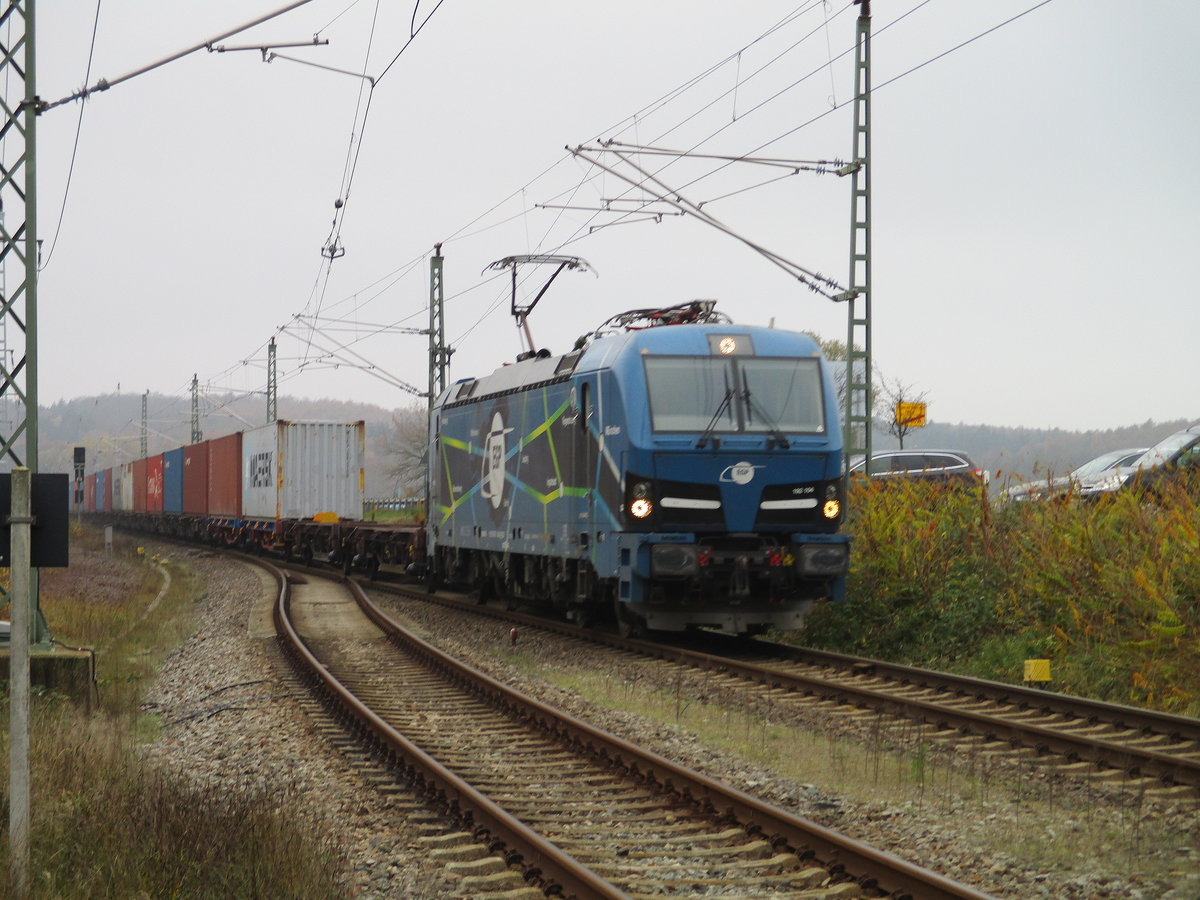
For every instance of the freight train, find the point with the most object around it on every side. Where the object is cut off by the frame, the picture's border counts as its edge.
(674, 470)
(293, 488)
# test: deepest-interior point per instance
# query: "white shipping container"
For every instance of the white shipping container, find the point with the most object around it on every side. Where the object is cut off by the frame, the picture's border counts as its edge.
(298, 470)
(122, 495)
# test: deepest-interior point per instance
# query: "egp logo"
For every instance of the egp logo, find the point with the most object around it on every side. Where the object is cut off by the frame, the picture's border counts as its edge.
(494, 452)
(740, 472)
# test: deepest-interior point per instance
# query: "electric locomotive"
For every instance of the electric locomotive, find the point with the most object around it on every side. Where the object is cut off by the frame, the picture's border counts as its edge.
(675, 468)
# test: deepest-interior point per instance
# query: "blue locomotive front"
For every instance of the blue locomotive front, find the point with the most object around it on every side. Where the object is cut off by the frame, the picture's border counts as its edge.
(678, 476)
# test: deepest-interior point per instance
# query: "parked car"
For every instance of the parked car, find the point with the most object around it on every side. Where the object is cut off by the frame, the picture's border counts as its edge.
(949, 466)
(1094, 476)
(1167, 459)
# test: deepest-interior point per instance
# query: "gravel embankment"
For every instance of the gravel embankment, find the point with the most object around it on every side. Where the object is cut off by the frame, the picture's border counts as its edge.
(232, 720)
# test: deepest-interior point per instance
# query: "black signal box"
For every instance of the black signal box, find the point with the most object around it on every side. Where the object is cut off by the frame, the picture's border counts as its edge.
(50, 498)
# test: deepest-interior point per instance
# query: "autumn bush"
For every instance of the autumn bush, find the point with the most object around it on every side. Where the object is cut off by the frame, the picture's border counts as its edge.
(1108, 590)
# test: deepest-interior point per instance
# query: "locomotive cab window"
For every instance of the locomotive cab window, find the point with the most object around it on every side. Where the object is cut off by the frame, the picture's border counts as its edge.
(749, 394)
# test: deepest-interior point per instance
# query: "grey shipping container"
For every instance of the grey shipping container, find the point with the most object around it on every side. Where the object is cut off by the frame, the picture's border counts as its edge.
(300, 470)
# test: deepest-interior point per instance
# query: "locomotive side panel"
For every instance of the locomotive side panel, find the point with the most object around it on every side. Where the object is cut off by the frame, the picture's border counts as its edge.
(506, 479)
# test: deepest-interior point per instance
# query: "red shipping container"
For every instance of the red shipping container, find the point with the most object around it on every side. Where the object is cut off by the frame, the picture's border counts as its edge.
(154, 484)
(195, 479)
(89, 493)
(225, 475)
(139, 486)
(108, 488)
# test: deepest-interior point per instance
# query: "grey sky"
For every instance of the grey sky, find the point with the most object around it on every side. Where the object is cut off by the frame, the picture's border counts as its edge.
(1034, 203)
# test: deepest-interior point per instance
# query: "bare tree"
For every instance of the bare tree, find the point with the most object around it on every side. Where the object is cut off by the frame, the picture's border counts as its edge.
(834, 352)
(894, 407)
(406, 446)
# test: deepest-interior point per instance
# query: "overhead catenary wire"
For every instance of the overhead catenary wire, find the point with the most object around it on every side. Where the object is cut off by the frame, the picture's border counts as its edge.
(587, 227)
(484, 222)
(75, 144)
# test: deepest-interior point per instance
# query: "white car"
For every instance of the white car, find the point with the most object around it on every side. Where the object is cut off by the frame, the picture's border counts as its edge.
(1093, 477)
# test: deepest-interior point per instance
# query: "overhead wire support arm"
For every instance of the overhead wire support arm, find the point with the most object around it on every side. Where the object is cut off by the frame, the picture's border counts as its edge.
(815, 281)
(340, 354)
(307, 62)
(265, 48)
(105, 83)
(820, 166)
(330, 323)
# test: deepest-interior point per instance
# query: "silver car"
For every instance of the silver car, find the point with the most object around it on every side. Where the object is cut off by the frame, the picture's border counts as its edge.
(1093, 477)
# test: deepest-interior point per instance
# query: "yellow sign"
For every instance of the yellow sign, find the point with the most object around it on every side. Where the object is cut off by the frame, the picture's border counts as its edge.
(1037, 670)
(910, 415)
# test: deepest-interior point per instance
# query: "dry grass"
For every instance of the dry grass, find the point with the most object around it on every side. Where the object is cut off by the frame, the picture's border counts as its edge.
(104, 823)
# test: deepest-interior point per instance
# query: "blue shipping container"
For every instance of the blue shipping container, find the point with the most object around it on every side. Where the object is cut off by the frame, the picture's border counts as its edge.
(101, 494)
(173, 482)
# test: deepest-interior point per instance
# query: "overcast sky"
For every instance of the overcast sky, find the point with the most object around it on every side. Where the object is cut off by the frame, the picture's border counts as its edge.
(1035, 192)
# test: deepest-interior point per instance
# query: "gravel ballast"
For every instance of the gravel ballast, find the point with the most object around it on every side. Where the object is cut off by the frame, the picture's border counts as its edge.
(232, 719)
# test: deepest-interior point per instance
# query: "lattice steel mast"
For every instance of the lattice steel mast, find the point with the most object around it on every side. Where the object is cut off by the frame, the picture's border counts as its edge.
(272, 385)
(18, 241)
(439, 353)
(858, 332)
(197, 436)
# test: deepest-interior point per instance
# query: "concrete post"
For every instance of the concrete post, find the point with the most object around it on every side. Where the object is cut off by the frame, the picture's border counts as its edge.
(19, 731)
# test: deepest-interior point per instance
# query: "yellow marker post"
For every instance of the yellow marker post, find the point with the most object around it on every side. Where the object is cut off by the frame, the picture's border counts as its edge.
(1037, 671)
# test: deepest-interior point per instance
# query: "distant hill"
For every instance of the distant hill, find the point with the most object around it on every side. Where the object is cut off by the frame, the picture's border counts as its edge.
(109, 426)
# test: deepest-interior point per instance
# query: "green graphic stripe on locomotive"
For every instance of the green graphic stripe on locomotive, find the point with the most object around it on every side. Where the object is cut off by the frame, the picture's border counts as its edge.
(544, 428)
(518, 446)
(465, 446)
(448, 511)
(555, 494)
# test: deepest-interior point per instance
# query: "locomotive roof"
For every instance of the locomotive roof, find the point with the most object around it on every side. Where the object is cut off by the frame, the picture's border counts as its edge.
(604, 352)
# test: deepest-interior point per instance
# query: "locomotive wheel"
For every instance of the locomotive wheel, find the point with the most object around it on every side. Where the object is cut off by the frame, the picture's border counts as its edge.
(628, 624)
(373, 568)
(306, 554)
(487, 590)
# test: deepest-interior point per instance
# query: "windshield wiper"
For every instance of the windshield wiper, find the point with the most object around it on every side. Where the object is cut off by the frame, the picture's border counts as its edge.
(726, 403)
(772, 425)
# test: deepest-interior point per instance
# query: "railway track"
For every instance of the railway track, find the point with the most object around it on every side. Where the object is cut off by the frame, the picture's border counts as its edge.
(566, 807)
(1143, 750)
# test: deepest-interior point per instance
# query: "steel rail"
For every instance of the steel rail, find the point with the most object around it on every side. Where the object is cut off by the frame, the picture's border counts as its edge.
(1104, 754)
(543, 863)
(1180, 728)
(809, 840)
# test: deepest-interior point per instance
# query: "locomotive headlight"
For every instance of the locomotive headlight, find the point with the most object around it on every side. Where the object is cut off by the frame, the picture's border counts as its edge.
(640, 490)
(833, 506)
(640, 508)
